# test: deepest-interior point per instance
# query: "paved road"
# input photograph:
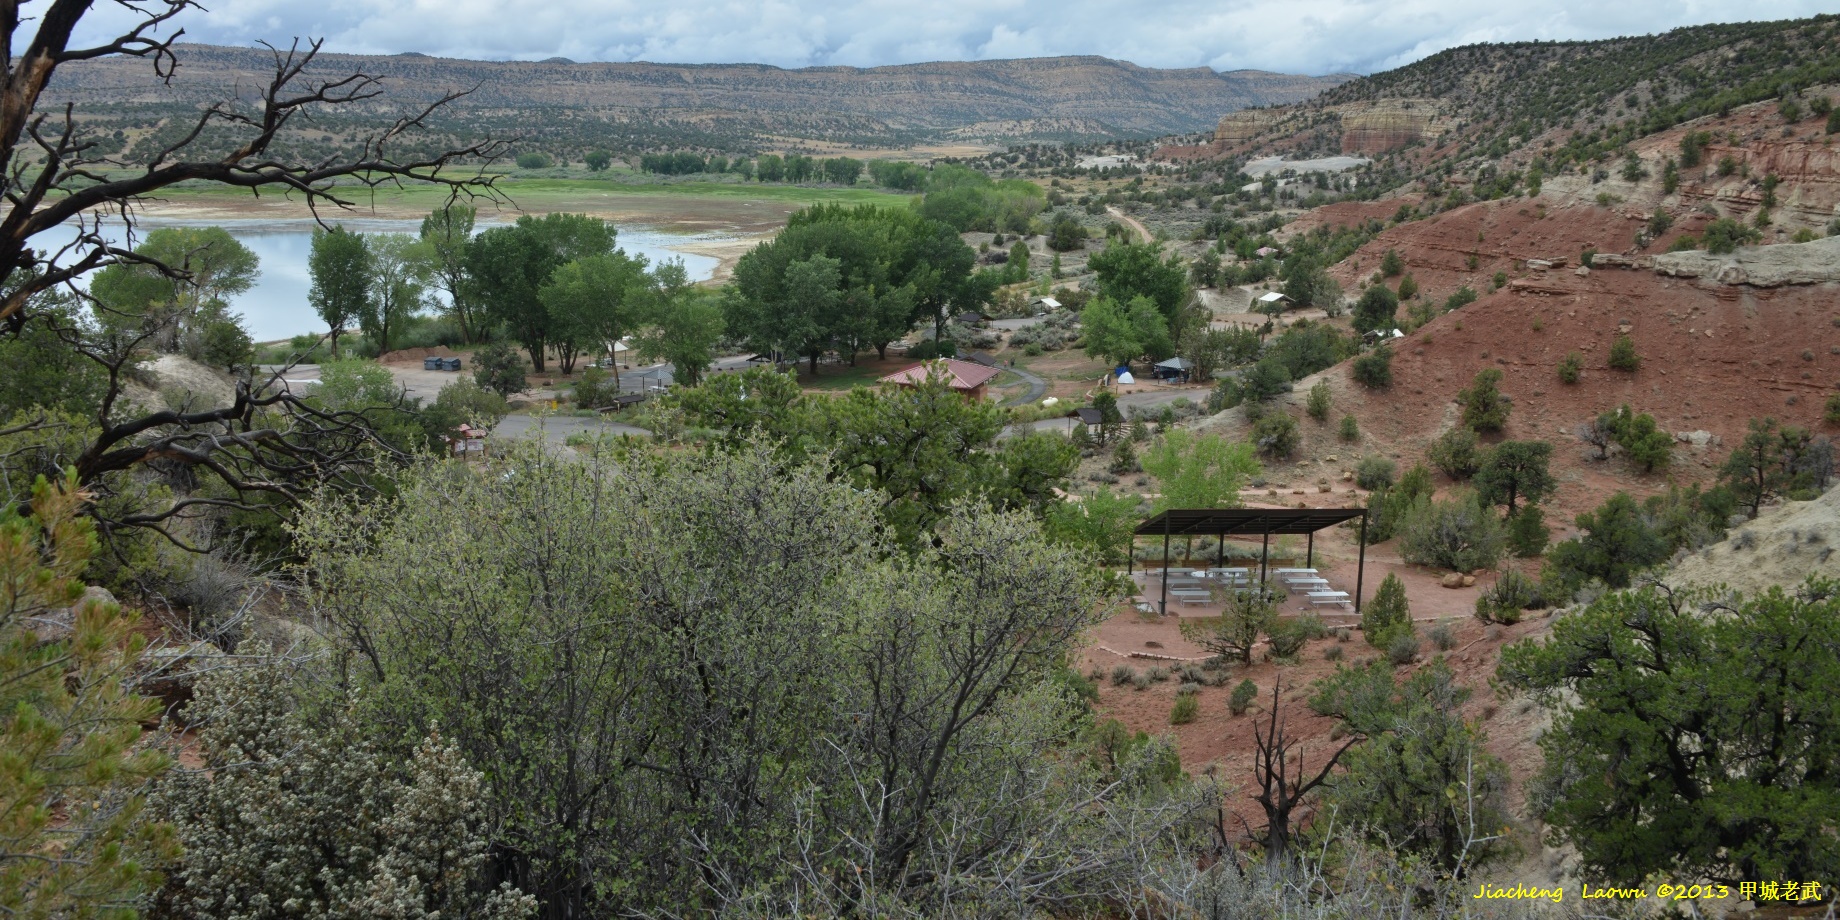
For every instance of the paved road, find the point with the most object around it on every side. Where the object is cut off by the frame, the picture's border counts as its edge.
(558, 428)
(1037, 388)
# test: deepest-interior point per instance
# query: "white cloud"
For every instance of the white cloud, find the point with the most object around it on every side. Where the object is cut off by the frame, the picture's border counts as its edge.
(1295, 36)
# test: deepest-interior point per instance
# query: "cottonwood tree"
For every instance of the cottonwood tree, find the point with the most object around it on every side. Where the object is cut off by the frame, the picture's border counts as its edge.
(398, 289)
(446, 233)
(57, 174)
(340, 267)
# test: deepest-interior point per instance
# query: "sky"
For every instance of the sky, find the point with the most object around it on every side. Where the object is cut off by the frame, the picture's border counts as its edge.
(1288, 36)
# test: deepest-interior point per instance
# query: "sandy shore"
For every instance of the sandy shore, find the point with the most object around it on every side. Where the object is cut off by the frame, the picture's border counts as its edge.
(729, 251)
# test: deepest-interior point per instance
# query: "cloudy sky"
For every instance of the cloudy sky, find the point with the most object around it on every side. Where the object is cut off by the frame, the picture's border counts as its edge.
(1292, 36)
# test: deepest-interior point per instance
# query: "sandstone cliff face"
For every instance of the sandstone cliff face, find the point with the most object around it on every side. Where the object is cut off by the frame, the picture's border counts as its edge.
(1239, 127)
(1387, 124)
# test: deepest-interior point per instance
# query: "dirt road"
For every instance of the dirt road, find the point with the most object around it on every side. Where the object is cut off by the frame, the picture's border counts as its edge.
(1132, 223)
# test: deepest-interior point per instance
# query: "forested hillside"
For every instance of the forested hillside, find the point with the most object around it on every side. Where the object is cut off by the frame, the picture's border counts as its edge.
(568, 108)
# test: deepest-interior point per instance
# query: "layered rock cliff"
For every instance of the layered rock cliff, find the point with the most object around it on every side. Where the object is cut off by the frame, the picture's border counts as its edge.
(1387, 124)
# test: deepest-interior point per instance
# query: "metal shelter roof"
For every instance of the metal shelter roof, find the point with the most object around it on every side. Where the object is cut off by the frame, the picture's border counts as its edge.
(1229, 521)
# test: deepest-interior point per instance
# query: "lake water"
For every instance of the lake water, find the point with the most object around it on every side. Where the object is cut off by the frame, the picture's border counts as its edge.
(276, 307)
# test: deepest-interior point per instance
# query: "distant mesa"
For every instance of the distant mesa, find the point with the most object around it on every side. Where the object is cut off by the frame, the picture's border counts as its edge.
(557, 60)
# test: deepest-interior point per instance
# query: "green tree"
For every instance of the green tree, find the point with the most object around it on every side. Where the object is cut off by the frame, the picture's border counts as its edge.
(598, 160)
(679, 324)
(1392, 265)
(1485, 408)
(1456, 453)
(178, 311)
(1127, 271)
(397, 286)
(507, 267)
(593, 303)
(1421, 781)
(340, 266)
(1754, 472)
(1108, 333)
(499, 368)
(1725, 235)
(1461, 534)
(1527, 532)
(1646, 445)
(1066, 234)
(464, 402)
(76, 841)
(1275, 435)
(1101, 522)
(1516, 471)
(1196, 470)
(446, 234)
(1614, 543)
(1657, 761)
(1376, 309)
(1387, 613)
(1319, 401)
(39, 370)
(1374, 370)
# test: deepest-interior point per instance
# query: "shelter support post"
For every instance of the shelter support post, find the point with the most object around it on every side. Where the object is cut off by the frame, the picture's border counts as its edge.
(1163, 605)
(1264, 554)
(1360, 568)
(1309, 553)
(1220, 550)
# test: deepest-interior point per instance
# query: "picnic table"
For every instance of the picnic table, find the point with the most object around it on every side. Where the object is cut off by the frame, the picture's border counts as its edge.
(1336, 598)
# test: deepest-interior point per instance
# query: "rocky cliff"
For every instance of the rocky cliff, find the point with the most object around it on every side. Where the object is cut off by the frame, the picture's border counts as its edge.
(1387, 124)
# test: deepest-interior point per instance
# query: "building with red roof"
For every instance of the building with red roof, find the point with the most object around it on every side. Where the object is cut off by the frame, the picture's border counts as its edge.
(973, 380)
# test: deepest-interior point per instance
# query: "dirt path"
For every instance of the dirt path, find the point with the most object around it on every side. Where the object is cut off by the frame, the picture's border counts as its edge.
(1132, 223)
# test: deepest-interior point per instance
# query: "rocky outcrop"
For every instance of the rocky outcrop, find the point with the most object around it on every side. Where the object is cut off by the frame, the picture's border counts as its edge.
(1240, 127)
(1387, 124)
(1759, 266)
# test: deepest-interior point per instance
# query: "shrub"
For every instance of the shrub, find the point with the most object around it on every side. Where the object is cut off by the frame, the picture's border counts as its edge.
(1832, 415)
(1187, 707)
(1124, 459)
(1392, 264)
(1374, 370)
(1287, 637)
(1225, 395)
(1506, 598)
(1351, 429)
(1319, 401)
(1408, 288)
(595, 389)
(1455, 453)
(1442, 636)
(499, 368)
(1402, 648)
(1376, 309)
(1333, 653)
(1725, 235)
(1242, 697)
(1374, 472)
(1140, 682)
(1387, 613)
(1123, 674)
(1275, 435)
(1460, 534)
(533, 160)
(1571, 367)
(1623, 355)
(1485, 407)
(1157, 674)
